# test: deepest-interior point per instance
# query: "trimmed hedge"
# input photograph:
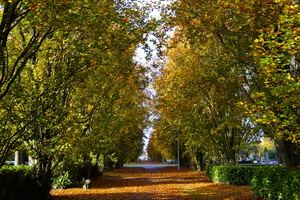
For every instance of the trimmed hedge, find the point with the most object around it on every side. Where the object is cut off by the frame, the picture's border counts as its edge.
(231, 174)
(276, 182)
(272, 182)
(14, 181)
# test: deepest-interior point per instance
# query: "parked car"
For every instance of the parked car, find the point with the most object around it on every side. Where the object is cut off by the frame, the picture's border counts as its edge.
(172, 161)
(9, 162)
(245, 161)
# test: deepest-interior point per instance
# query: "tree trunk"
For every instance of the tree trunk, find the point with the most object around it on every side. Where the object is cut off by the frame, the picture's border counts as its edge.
(119, 165)
(101, 169)
(279, 159)
(19, 158)
(32, 161)
(289, 153)
(185, 162)
(110, 166)
(86, 170)
(95, 172)
(199, 161)
(40, 183)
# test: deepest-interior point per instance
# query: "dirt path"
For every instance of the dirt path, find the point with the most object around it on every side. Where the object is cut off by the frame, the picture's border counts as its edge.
(157, 183)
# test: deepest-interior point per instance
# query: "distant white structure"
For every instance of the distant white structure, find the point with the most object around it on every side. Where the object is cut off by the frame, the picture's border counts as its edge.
(144, 156)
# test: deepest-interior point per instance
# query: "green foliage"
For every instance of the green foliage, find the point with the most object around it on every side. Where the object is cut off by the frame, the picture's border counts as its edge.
(272, 182)
(231, 174)
(61, 181)
(198, 97)
(276, 51)
(153, 153)
(14, 181)
(209, 170)
(276, 105)
(272, 154)
(209, 70)
(228, 55)
(276, 182)
(69, 88)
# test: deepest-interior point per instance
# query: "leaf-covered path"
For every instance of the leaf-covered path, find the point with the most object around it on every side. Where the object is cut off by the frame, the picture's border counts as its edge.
(157, 183)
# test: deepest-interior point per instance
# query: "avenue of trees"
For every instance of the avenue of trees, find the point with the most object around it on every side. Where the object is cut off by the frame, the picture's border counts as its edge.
(230, 78)
(70, 94)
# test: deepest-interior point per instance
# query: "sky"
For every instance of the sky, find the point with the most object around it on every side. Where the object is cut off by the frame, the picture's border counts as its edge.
(140, 58)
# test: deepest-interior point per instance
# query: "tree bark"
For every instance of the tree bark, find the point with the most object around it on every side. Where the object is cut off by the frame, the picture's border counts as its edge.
(110, 166)
(199, 161)
(19, 158)
(289, 153)
(119, 165)
(86, 170)
(101, 169)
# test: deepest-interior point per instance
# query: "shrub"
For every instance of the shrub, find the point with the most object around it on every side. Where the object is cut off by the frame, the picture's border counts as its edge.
(231, 174)
(272, 182)
(62, 181)
(66, 175)
(14, 181)
(276, 182)
(209, 170)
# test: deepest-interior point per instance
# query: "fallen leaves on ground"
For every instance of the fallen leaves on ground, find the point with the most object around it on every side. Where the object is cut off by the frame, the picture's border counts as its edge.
(158, 183)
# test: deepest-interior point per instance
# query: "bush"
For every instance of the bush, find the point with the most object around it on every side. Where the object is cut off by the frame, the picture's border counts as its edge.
(276, 182)
(14, 181)
(67, 176)
(231, 174)
(272, 182)
(62, 181)
(210, 169)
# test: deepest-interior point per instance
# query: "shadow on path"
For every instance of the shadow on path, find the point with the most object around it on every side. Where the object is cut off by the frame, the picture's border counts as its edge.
(153, 183)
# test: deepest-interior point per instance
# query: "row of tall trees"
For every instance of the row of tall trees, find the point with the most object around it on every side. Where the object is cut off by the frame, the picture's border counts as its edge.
(70, 94)
(231, 75)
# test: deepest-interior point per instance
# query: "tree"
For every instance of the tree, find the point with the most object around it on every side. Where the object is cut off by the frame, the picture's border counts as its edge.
(234, 26)
(198, 93)
(48, 109)
(15, 52)
(277, 107)
(152, 151)
(15, 15)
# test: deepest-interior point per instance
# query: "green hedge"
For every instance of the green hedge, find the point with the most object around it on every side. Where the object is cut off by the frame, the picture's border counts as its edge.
(272, 182)
(14, 181)
(276, 182)
(232, 174)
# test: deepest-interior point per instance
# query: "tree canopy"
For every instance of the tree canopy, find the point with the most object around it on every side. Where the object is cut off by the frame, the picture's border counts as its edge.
(231, 74)
(71, 93)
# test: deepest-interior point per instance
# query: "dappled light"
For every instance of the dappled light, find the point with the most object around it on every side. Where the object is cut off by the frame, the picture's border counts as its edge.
(155, 183)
